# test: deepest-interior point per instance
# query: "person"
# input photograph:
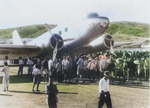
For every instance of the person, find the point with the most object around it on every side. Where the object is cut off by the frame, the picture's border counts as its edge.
(85, 63)
(38, 63)
(50, 67)
(91, 66)
(45, 69)
(80, 68)
(69, 68)
(96, 69)
(58, 67)
(64, 67)
(103, 63)
(36, 77)
(75, 64)
(104, 91)
(5, 69)
(21, 63)
(6, 59)
(52, 91)
(30, 67)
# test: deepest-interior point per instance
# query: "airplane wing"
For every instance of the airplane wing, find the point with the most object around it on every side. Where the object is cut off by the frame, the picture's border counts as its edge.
(133, 44)
(104, 45)
(15, 51)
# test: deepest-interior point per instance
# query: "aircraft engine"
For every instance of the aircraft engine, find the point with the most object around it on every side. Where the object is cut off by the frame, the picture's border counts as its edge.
(56, 38)
(105, 44)
(108, 40)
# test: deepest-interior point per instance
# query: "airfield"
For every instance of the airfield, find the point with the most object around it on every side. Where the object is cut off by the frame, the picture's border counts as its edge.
(71, 95)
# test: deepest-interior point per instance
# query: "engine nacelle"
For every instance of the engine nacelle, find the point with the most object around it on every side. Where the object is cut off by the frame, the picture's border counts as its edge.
(54, 39)
(107, 40)
(105, 43)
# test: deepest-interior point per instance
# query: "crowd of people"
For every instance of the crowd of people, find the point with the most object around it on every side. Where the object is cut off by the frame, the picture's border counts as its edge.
(79, 67)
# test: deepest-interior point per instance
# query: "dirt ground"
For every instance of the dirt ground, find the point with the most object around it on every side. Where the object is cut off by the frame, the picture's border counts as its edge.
(123, 96)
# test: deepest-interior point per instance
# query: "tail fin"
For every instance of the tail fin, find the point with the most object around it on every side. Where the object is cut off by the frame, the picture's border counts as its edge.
(16, 38)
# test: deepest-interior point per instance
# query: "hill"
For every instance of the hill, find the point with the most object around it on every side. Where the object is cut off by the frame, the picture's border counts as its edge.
(32, 31)
(128, 31)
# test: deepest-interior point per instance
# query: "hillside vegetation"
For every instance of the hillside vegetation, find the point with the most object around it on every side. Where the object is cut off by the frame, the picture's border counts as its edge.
(32, 31)
(128, 31)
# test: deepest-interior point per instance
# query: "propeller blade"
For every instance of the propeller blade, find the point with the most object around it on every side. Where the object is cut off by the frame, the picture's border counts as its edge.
(116, 33)
(111, 48)
(48, 29)
(70, 39)
(55, 51)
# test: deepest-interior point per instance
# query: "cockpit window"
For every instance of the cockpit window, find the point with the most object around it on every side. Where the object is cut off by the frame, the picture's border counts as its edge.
(60, 32)
(66, 29)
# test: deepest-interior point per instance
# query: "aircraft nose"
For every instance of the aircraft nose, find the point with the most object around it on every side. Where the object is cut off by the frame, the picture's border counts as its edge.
(104, 21)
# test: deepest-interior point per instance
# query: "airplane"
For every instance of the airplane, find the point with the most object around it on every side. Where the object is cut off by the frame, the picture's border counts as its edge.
(85, 35)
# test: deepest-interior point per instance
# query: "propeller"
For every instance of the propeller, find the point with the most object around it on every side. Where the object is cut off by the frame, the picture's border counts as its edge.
(57, 42)
(116, 33)
(55, 49)
(111, 47)
(111, 40)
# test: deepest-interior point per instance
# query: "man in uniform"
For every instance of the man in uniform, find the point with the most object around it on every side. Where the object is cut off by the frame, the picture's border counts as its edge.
(104, 91)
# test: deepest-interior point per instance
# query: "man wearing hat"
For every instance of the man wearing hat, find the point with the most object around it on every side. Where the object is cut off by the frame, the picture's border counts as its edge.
(52, 91)
(104, 91)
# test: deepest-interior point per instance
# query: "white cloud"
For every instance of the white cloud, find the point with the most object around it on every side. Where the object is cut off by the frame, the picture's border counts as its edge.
(15, 13)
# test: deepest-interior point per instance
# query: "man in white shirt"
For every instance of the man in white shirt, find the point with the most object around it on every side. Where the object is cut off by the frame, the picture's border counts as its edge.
(80, 69)
(50, 67)
(104, 91)
(36, 77)
(5, 69)
(65, 63)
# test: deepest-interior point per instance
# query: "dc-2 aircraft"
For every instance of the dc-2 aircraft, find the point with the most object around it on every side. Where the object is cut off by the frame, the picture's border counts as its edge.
(81, 35)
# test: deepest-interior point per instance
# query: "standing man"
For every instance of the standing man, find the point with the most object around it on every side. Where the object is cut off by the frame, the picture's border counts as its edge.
(64, 67)
(104, 91)
(50, 67)
(75, 64)
(5, 69)
(85, 63)
(21, 63)
(80, 68)
(30, 65)
(91, 67)
(69, 69)
(36, 77)
(45, 69)
(6, 59)
(59, 72)
(52, 91)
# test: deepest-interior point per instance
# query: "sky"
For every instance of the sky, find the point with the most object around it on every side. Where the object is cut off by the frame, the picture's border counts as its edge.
(17, 13)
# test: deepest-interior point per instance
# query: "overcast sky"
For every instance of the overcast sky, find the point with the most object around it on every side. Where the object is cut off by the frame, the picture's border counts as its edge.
(16, 13)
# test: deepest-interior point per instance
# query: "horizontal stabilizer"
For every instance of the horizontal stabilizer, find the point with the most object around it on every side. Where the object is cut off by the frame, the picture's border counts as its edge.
(16, 38)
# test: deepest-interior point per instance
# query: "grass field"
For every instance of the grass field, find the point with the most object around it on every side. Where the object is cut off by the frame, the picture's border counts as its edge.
(71, 95)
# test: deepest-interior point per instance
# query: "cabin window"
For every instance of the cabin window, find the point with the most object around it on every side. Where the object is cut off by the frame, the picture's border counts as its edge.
(66, 29)
(60, 32)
